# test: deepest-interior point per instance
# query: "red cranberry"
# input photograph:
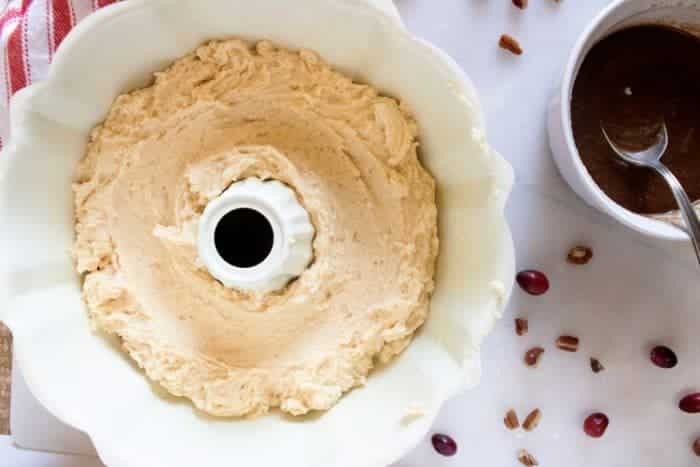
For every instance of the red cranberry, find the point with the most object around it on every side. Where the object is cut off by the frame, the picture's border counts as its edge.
(596, 424)
(533, 282)
(444, 444)
(663, 357)
(690, 403)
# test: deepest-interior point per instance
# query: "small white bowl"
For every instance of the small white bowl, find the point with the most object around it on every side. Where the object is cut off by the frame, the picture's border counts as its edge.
(618, 15)
(87, 382)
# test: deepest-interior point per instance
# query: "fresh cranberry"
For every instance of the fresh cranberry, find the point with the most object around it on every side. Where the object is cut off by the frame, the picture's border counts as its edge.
(596, 424)
(533, 282)
(663, 357)
(444, 444)
(690, 403)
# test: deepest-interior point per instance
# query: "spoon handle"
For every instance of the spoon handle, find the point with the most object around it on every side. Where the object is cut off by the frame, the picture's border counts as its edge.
(685, 205)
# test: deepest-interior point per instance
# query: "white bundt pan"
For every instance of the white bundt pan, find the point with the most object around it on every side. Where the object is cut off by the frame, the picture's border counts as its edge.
(87, 382)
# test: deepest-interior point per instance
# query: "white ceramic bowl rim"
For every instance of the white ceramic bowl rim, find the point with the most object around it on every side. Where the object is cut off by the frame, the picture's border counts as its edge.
(88, 383)
(645, 225)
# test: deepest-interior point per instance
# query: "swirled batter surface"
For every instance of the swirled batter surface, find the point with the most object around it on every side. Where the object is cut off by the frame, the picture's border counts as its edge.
(228, 111)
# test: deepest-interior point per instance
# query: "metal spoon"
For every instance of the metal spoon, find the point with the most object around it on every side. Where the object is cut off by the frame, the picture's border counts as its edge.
(651, 159)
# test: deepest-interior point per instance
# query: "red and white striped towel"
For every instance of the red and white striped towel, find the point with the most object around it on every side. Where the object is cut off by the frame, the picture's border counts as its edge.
(30, 33)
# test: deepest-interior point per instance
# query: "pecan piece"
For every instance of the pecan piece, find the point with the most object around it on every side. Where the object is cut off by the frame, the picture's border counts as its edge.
(510, 44)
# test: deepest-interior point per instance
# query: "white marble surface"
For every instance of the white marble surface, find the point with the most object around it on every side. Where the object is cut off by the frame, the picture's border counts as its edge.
(635, 293)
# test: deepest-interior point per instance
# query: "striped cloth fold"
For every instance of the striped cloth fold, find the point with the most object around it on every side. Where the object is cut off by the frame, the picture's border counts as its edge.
(30, 33)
